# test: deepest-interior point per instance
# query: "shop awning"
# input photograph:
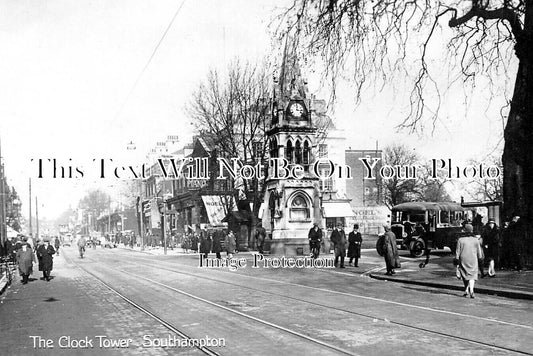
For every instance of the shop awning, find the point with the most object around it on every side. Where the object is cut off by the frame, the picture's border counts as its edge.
(337, 209)
(216, 207)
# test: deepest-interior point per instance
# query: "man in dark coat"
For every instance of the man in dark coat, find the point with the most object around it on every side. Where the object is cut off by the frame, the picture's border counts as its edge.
(516, 231)
(218, 236)
(354, 245)
(392, 260)
(205, 243)
(315, 238)
(491, 244)
(260, 235)
(46, 252)
(338, 238)
(25, 259)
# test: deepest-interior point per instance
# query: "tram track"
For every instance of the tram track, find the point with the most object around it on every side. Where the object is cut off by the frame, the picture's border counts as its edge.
(169, 326)
(205, 301)
(331, 307)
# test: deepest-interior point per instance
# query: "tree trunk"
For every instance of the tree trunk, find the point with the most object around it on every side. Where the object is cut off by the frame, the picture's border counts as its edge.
(518, 150)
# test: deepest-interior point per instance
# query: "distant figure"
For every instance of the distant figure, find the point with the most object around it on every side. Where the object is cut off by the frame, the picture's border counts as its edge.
(477, 224)
(205, 243)
(390, 251)
(467, 254)
(217, 242)
(10, 249)
(354, 245)
(338, 238)
(491, 242)
(260, 236)
(56, 245)
(230, 244)
(81, 245)
(516, 231)
(25, 259)
(315, 238)
(46, 253)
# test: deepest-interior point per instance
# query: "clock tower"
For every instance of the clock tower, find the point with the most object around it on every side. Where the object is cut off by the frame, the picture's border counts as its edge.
(292, 201)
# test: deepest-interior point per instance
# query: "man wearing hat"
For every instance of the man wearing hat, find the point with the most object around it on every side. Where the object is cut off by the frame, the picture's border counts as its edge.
(338, 238)
(45, 253)
(491, 242)
(315, 238)
(390, 251)
(25, 259)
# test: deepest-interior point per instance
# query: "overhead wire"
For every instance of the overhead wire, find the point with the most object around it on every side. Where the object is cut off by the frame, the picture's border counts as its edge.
(133, 87)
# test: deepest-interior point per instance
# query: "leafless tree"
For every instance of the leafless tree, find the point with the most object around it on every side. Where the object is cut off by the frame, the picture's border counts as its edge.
(400, 189)
(234, 108)
(487, 189)
(377, 40)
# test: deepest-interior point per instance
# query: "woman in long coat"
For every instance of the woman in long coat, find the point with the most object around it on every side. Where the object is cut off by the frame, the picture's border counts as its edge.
(392, 260)
(354, 245)
(25, 259)
(467, 254)
(45, 253)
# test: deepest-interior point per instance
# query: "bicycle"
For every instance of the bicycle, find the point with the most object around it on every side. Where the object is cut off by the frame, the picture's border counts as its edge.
(6, 268)
(82, 251)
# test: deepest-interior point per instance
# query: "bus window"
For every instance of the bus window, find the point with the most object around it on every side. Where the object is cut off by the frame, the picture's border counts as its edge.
(415, 218)
(444, 217)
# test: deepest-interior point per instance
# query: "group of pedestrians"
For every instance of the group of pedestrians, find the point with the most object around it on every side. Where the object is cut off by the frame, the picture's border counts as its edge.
(211, 241)
(339, 241)
(25, 255)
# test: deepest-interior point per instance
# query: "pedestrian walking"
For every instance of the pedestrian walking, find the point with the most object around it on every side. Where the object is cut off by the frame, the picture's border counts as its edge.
(25, 259)
(390, 251)
(260, 236)
(46, 253)
(218, 235)
(230, 244)
(467, 256)
(56, 245)
(338, 238)
(354, 246)
(81, 245)
(491, 243)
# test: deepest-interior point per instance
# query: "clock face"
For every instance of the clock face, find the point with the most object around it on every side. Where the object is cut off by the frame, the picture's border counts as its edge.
(297, 110)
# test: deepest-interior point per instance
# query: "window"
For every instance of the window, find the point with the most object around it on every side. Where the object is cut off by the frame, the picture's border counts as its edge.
(299, 209)
(257, 150)
(326, 184)
(298, 153)
(273, 148)
(306, 153)
(289, 151)
(322, 150)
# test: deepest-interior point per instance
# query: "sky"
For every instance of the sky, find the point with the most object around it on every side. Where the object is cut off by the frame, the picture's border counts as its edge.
(73, 88)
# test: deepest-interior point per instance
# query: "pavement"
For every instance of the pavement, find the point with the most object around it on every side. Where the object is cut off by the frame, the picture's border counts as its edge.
(58, 317)
(438, 273)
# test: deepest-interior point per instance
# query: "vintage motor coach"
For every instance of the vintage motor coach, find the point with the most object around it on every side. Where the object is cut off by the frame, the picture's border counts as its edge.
(425, 225)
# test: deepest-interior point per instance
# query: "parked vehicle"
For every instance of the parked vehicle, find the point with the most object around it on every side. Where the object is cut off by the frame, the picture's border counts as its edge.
(425, 225)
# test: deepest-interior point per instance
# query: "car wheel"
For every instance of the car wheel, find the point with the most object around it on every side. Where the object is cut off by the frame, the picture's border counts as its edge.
(417, 248)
